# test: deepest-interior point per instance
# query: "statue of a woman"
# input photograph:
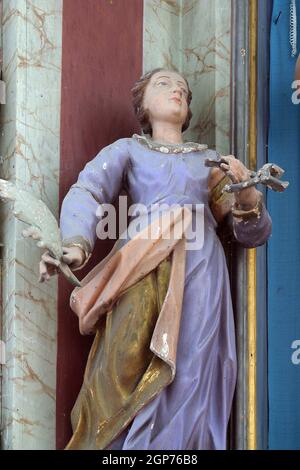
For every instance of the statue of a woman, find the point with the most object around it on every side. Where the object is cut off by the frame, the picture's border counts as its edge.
(162, 369)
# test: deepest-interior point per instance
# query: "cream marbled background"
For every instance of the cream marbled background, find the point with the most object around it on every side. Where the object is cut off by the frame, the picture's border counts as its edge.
(30, 145)
(194, 36)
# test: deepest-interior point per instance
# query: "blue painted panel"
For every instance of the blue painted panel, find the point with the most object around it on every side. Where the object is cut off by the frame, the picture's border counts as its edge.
(284, 246)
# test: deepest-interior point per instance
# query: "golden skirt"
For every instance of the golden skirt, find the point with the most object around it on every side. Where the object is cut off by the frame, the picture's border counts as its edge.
(122, 373)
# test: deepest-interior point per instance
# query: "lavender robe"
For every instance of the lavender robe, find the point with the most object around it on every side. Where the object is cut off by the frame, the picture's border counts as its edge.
(192, 412)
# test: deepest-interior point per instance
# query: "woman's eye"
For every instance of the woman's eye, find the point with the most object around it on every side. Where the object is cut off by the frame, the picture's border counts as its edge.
(162, 83)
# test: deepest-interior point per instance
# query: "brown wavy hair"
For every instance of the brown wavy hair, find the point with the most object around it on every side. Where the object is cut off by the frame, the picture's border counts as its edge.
(138, 91)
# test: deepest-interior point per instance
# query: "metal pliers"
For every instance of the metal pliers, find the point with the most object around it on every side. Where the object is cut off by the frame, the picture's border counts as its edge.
(268, 175)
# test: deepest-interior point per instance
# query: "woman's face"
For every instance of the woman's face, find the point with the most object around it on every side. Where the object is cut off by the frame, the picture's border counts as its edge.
(165, 98)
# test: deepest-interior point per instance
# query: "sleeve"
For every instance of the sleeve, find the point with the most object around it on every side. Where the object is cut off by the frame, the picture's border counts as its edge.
(253, 231)
(99, 182)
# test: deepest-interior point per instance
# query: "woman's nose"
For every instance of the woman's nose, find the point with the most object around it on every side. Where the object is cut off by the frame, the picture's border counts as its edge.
(177, 89)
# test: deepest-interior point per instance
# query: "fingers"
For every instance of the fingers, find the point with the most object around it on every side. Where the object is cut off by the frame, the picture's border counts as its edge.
(45, 276)
(46, 270)
(231, 160)
(68, 255)
(43, 272)
(68, 259)
(71, 261)
(47, 258)
(234, 169)
(226, 168)
(73, 256)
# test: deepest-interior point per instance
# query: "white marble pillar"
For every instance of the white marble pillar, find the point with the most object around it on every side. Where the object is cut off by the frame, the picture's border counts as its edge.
(161, 35)
(30, 144)
(194, 37)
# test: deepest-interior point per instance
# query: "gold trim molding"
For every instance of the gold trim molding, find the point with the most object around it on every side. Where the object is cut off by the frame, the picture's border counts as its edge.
(251, 256)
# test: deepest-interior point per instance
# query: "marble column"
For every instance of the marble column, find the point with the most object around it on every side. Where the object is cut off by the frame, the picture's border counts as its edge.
(194, 37)
(30, 143)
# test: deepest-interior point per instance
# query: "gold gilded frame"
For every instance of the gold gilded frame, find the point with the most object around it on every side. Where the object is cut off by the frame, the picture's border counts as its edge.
(251, 256)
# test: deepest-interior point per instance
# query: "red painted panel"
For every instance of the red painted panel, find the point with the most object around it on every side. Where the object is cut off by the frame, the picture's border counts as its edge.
(101, 59)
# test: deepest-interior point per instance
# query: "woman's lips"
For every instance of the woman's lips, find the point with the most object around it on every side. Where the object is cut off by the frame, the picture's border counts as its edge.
(178, 100)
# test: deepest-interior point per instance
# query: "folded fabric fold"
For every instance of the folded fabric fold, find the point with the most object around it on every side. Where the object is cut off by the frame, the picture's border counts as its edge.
(125, 266)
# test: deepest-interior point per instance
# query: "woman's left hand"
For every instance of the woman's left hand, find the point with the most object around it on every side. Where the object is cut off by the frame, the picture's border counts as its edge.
(237, 172)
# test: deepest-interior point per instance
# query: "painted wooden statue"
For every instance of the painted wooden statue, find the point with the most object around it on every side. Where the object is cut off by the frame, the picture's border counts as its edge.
(162, 370)
(161, 373)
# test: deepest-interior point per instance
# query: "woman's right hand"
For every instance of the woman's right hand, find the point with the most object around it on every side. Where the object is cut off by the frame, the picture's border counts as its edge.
(48, 267)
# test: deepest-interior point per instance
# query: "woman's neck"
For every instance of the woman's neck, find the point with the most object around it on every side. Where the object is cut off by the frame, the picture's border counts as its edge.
(167, 134)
